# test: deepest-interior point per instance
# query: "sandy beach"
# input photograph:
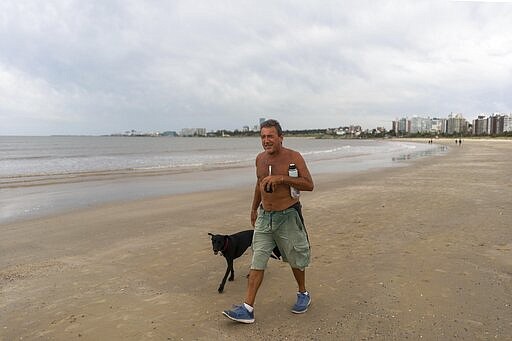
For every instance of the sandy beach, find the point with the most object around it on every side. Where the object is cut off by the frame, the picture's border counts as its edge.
(418, 252)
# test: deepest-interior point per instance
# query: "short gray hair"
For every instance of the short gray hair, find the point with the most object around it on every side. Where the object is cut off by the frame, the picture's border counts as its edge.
(272, 123)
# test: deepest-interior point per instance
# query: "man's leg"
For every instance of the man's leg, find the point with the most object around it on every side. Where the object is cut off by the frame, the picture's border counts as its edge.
(300, 277)
(303, 297)
(245, 313)
(255, 280)
(262, 244)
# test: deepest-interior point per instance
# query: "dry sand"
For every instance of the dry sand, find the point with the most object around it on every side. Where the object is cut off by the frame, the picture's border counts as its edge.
(419, 252)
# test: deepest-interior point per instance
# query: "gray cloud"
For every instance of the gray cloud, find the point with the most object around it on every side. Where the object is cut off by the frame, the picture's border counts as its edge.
(104, 66)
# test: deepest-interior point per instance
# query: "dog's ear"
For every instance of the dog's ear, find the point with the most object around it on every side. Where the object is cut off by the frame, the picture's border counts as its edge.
(210, 234)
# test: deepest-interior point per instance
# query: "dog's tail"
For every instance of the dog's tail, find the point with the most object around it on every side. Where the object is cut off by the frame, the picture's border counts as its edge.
(276, 254)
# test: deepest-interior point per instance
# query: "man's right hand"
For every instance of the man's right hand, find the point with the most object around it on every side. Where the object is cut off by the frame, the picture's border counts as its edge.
(254, 215)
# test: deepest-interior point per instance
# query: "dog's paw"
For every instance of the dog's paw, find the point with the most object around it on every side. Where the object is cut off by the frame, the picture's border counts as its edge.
(220, 290)
(231, 279)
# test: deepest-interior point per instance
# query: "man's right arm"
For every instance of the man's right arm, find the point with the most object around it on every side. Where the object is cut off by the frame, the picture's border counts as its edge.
(255, 203)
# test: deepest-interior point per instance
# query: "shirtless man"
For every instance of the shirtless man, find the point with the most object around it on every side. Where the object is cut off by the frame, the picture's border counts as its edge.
(277, 219)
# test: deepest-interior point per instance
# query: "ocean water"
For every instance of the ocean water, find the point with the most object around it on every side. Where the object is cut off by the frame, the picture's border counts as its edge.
(46, 175)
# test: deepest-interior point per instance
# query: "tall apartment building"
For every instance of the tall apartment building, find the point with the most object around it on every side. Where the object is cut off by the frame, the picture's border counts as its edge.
(497, 124)
(456, 124)
(193, 132)
(400, 126)
(439, 125)
(420, 125)
(417, 125)
(507, 123)
(480, 125)
(484, 124)
(494, 124)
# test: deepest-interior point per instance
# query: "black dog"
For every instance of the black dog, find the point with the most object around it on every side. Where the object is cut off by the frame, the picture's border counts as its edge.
(232, 247)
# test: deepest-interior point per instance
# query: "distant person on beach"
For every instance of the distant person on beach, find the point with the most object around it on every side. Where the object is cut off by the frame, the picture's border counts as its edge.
(277, 219)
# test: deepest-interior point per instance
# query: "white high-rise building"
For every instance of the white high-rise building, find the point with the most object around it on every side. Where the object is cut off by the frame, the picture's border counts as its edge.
(456, 124)
(507, 123)
(193, 132)
(438, 125)
(420, 125)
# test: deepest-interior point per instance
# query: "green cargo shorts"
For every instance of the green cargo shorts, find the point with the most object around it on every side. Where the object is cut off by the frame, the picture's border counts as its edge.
(284, 229)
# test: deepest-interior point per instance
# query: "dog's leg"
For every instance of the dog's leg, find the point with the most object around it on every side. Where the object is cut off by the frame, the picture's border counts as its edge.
(228, 271)
(221, 286)
(230, 266)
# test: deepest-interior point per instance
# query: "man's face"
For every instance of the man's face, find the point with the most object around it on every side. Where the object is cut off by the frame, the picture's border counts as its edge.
(270, 141)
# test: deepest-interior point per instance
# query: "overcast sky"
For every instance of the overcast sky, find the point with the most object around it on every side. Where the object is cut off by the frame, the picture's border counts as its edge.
(100, 67)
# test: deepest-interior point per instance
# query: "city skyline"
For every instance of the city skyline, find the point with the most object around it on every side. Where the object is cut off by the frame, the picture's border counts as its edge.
(483, 124)
(96, 67)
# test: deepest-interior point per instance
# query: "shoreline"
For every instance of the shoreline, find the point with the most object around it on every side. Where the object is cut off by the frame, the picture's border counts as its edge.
(28, 197)
(421, 251)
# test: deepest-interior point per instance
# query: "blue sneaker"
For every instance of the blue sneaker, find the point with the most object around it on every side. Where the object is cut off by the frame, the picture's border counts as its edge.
(239, 314)
(303, 302)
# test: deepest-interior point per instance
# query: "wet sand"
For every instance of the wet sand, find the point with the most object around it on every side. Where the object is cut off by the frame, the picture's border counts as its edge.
(418, 252)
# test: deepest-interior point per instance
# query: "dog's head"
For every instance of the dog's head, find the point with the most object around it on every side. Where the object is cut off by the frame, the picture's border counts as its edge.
(218, 242)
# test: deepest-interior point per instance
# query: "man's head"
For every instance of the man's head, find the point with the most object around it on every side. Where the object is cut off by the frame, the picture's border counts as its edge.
(272, 123)
(271, 136)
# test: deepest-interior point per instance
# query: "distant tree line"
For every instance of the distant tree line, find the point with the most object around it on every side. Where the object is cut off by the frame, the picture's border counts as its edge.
(236, 132)
(317, 133)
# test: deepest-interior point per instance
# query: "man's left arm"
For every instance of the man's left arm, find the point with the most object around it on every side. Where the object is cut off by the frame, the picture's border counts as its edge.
(303, 182)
